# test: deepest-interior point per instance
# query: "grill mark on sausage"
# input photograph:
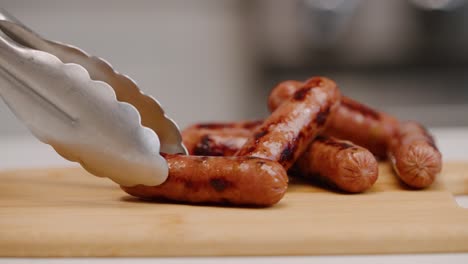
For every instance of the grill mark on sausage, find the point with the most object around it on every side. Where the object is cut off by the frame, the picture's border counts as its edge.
(214, 125)
(321, 138)
(220, 184)
(364, 110)
(300, 94)
(322, 116)
(301, 135)
(246, 125)
(287, 152)
(253, 147)
(260, 134)
(208, 147)
(187, 183)
(203, 147)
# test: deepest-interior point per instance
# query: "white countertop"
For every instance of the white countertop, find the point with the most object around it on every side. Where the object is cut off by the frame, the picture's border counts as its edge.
(27, 152)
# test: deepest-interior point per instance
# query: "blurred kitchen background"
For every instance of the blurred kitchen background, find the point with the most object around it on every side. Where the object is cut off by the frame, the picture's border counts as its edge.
(217, 60)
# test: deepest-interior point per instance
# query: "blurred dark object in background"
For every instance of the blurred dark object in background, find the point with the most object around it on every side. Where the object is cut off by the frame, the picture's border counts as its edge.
(407, 57)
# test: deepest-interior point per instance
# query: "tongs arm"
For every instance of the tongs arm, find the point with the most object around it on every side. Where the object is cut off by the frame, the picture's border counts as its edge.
(84, 109)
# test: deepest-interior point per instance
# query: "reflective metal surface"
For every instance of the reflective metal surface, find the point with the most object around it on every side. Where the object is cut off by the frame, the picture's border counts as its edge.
(83, 108)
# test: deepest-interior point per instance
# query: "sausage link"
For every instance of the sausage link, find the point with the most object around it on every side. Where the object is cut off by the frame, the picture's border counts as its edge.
(339, 163)
(287, 132)
(225, 180)
(414, 155)
(351, 121)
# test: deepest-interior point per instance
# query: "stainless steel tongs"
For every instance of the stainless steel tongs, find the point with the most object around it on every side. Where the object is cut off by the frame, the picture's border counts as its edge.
(83, 108)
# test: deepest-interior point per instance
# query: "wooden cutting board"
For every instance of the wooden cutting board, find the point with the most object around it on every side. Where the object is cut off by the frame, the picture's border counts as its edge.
(66, 212)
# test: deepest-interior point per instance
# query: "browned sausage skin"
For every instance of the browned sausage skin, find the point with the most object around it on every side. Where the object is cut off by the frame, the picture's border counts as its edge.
(212, 141)
(364, 126)
(337, 162)
(246, 124)
(414, 155)
(282, 92)
(340, 163)
(217, 143)
(225, 180)
(351, 121)
(287, 132)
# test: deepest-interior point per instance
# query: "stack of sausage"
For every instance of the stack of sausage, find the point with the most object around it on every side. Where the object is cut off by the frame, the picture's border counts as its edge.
(312, 132)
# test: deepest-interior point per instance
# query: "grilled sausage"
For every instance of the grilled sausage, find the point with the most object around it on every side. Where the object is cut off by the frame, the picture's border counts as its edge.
(287, 132)
(339, 163)
(225, 180)
(351, 121)
(414, 155)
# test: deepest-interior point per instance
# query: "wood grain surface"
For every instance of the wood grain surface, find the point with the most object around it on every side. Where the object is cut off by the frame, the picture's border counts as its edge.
(67, 212)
